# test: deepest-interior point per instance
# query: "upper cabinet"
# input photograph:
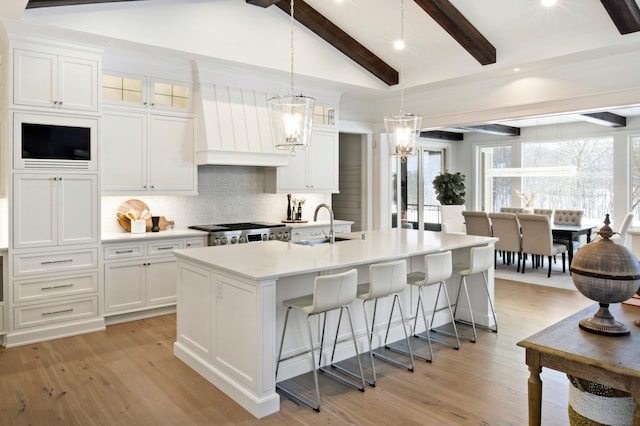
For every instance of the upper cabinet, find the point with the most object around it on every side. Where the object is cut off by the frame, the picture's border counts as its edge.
(51, 78)
(147, 153)
(312, 170)
(136, 91)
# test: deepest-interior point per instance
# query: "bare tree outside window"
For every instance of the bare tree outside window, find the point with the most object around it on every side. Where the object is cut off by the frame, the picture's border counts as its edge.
(635, 175)
(590, 188)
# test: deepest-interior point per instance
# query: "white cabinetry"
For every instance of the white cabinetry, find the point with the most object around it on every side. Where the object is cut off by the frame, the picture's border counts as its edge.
(142, 275)
(311, 170)
(46, 78)
(137, 91)
(144, 153)
(54, 210)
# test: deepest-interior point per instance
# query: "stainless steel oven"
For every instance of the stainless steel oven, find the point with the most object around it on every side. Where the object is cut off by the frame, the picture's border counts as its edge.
(245, 232)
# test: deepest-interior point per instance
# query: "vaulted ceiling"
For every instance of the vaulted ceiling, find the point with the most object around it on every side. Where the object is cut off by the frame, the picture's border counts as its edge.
(448, 39)
(625, 15)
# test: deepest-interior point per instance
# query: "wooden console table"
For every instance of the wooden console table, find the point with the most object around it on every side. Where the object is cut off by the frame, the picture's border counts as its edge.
(611, 361)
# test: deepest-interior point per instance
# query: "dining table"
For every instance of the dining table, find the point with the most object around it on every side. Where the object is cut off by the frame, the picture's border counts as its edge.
(570, 233)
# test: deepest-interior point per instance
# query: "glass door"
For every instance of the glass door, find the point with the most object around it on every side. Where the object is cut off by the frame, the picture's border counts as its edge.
(419, 207)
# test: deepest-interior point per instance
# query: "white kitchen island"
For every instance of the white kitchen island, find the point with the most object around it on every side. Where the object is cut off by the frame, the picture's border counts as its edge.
(230, 313)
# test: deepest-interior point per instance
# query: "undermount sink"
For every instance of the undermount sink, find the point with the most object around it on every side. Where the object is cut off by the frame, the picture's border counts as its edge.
(319, 241)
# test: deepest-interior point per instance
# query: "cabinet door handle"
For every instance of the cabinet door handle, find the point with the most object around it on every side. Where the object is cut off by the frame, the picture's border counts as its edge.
(54, 287)
(64, 311)
(47, 262)
(124, 251)
(165, 248)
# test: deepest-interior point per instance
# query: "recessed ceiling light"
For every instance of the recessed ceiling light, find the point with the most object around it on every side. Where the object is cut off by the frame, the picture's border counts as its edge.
(516, 69)
(548, 3)
(399, 44)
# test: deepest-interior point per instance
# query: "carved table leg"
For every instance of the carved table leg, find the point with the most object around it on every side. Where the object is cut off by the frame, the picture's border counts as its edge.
(535, 395)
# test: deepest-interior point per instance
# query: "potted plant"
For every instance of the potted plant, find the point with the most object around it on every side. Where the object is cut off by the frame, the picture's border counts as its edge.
(450, 188)
(450, 191)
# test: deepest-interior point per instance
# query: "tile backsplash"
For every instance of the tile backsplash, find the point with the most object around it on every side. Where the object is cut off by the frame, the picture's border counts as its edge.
(227, 194)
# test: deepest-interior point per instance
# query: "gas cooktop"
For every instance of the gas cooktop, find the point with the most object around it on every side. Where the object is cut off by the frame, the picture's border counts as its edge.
(236, 226)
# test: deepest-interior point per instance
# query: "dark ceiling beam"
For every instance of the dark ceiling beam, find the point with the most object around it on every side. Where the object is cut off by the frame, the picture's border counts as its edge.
(493, 129)
(624, 13)
(262, 3)
(458, 27)
(441, 135)
(339, 39)
(33, 4)
(605, 119)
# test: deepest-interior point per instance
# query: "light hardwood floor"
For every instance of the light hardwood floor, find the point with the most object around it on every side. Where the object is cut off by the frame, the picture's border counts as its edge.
(127, 375)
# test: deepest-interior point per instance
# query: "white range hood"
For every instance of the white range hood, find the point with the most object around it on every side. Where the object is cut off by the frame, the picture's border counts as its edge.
(233, 128)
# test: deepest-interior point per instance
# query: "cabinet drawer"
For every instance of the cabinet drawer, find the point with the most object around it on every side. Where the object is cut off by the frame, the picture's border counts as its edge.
(312, 234)
(32, 316)
(163, 248)
(123, 251)
(25, 291)
(195, 242)
(27, 264)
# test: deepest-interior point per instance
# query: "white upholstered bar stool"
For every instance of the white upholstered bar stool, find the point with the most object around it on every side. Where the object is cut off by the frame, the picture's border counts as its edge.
(438, 268)
(386, 279)
(330, 292)
(480, 260)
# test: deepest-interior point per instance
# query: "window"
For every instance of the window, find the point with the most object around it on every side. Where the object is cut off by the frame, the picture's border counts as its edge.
(635, 176)
(497, 188)
(572, 174)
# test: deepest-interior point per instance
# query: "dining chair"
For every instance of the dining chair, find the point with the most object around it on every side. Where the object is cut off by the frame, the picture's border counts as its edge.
(477, 223)
(567, 217)
(506, 228)
(547, 212)
(537, 240)
(516, 210)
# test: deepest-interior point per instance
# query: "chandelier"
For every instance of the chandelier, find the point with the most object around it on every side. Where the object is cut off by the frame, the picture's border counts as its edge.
(402, 129)
(291, 115)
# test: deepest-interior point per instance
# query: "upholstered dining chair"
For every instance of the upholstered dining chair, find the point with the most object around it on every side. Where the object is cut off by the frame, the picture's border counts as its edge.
(548, 212)
(537, 240)
(516, 210)
(567, 217)
(477, 223)
(506, 227)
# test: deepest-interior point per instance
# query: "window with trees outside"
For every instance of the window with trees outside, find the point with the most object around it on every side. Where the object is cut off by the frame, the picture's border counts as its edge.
(635, 175)
(572, 174)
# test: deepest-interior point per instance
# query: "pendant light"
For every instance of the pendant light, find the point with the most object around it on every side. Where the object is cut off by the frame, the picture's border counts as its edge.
(402, 129)
(292, 115)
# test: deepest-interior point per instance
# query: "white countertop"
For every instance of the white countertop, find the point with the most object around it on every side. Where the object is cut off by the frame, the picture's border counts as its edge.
(274, 259)
(170, 233)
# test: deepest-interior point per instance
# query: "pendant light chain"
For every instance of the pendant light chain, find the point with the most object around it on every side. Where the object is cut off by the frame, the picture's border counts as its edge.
(291, 6)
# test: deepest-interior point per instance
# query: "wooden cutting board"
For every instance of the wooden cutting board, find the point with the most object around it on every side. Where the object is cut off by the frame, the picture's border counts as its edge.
(138, 206)
(135, 205)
